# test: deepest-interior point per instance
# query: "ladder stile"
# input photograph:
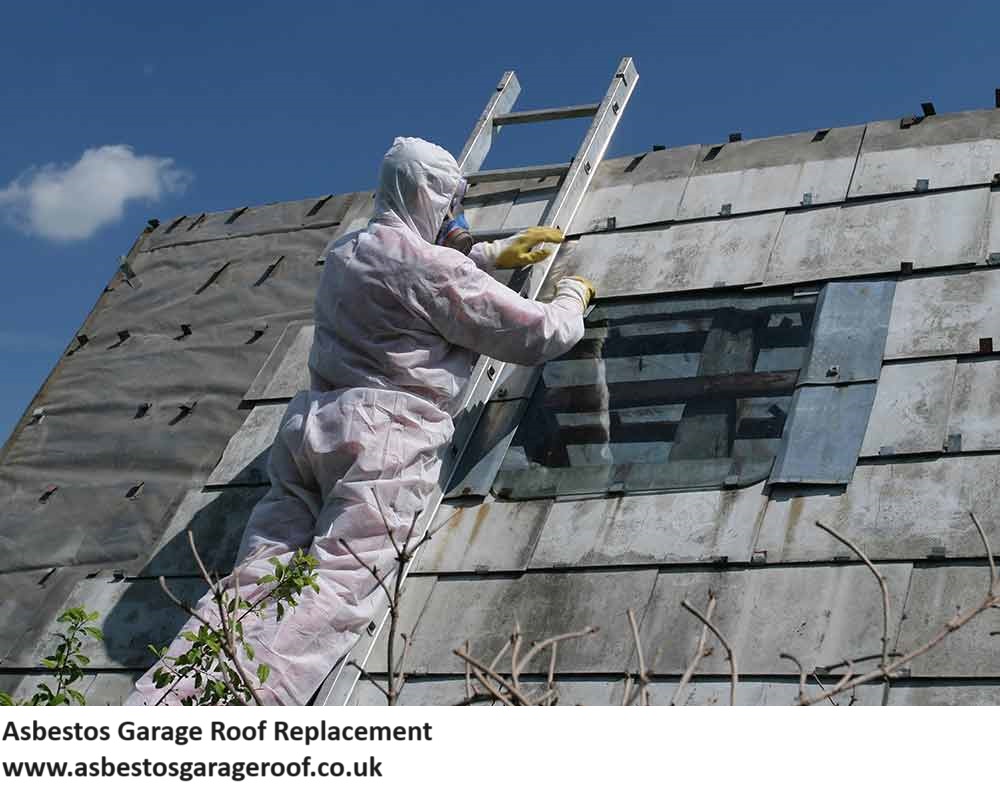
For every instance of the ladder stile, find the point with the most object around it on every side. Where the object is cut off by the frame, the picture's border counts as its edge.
(577, 176)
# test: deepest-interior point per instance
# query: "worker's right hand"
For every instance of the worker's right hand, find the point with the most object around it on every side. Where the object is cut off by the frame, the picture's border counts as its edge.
(579, 287)
(519, 250)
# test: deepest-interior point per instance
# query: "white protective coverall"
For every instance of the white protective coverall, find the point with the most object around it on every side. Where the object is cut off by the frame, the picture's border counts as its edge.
(400, 322)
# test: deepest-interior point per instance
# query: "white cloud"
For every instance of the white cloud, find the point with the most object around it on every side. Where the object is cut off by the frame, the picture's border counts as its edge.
(70, 202)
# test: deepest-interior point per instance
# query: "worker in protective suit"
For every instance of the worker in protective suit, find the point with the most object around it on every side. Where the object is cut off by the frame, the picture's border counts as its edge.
(403, 310)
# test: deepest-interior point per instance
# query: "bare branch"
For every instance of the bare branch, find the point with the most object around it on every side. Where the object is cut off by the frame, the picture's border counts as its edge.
(643, 675)
(699, 653)
(468, 675)
(802, 674)
(480, 668)
(881, 584)
(542, 645)
(989, 556)
(992, 599)
(368, 677)
(369, 569)
(733, 669)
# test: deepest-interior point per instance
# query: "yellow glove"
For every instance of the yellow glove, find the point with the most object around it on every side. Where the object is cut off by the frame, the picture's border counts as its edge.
(517, 250)
(579, 288)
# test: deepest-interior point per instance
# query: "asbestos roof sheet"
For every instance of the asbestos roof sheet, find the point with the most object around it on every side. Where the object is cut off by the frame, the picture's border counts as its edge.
(956, 149)
(492, 536)
(451, 691)
(675, 527)
(821, 615)
(716, 691)
(687, 256)
(770, 173)
(133, 614)
(973, 422)
(936, 595)
(315, 212)
(636, 190)
(286, 371)
(946, 313)
(216, 518)
(945, 693)
(904, 510)
(483, 611)
(911, 410)
(947, 229)
(244, 461)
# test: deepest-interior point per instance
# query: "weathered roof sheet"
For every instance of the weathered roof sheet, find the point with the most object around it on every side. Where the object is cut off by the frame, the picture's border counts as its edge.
(215, 309)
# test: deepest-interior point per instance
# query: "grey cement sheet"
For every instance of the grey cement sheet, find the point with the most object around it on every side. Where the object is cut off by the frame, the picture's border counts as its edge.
(821, 615)
(150, 420)
(99, 689)
(133, 614)
(911, 410)
(673, 527)
(687, 256)
(260, 279)
(451, 691)
(217, 520)
(947, 313)
(937, 595)
(314, 212)
(945, 693)
(492, 536)
(286, 371)
(716, 692)
(974, 417)
(29, 600)
(907, 510)
(770, 173)
(416, 592)
(244, 461)
(930, 230)
(483, 612)
(956, 149)
(635, 190)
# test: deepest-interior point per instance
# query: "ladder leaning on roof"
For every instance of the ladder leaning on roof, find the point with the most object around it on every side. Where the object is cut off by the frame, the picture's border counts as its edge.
(576, 176)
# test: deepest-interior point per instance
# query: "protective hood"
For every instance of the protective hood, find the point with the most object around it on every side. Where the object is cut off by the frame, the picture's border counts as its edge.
(417, 182)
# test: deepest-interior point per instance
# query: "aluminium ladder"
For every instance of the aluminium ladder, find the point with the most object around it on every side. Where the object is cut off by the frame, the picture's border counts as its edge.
(576, 177)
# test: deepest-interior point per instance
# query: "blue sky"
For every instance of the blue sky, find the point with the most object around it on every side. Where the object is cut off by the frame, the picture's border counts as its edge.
(224, 105)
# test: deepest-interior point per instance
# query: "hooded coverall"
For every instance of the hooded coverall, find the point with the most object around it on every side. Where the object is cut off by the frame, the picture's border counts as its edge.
(400, 322)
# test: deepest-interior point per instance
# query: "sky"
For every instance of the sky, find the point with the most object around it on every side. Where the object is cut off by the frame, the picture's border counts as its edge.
(112, 113)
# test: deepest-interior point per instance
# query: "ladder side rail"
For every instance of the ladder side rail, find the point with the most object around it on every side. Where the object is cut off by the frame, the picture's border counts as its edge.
(486, 373)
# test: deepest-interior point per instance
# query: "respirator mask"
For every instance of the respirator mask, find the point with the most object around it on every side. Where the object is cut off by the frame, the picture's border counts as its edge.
(454, 231)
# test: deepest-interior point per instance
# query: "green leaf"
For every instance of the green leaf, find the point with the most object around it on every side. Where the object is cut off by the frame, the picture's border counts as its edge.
(187, 635)
(94, 632)
(263, 671)
(6, 700)
(50, 662)
(280, 611)
(77, 696)
(267, 578)
(249, 651)
(81, 659)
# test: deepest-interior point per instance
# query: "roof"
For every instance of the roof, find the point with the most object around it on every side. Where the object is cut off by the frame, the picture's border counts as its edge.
(891, 229)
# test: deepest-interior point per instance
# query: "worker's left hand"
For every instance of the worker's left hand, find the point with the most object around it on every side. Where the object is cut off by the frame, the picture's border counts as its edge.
(519, 250)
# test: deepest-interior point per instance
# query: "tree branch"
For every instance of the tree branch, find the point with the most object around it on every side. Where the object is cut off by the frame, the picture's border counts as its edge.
(699, 653)
(881, 584)
(733, 670)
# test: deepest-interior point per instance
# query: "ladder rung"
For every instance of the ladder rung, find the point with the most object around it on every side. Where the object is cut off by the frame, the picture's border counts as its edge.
(522, 173)
(549, 114)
